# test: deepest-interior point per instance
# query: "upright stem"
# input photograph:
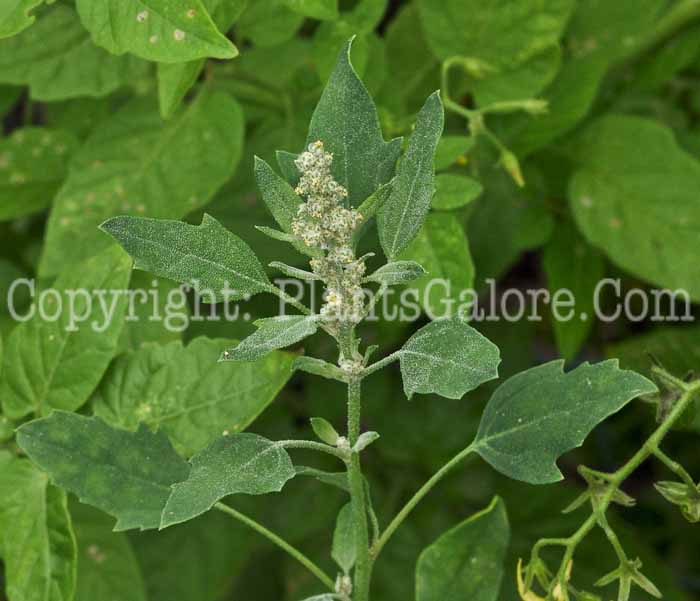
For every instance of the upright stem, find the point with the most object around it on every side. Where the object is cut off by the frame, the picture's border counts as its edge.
(357, 493)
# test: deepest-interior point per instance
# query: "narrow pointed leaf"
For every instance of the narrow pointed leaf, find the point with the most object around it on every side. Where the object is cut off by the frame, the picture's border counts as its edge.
(236, 464)
(58, 364)
(449, 358)
(467, 561)
(324, 430)
(319, 367)
(346, 121)
(125, 474)
(540, 414)
(185, 392)
(365, 439)
(344, 550)
(273, 333)
(206, 256)
(403, 213)
(156, 30)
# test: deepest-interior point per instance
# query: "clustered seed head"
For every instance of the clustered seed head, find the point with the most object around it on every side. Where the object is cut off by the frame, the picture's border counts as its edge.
(323, 223)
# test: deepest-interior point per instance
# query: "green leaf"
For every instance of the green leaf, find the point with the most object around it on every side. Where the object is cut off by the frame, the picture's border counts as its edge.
(441, 247)
(625, 166)
(36, 538)
(500, 37)
(538, 415)
(324, 430)
(449, 358)
(107, 566)
(235, 464)
(273, 333)
(16, 16)
(269, 23)
(183, 391)
(33, 164)
(133, 164)
(57, 364)
(346, 121)
(403, 213)
(364, 440)
(216, 262)
(176, 79)
(467, 561)
(344, 549)
(57, 60)
(337, 479)
(397, 272)
(319, 367)
(157, 30)
(125, 474)
(454, 191)
(451, 149)
(316, 9)
(571, 264)
(280, 199)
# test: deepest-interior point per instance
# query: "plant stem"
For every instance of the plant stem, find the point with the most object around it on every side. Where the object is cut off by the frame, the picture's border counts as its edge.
(675, 467)
(416, 498)
(363, 566)
(281, 543)
(381, 364)
(311, 445)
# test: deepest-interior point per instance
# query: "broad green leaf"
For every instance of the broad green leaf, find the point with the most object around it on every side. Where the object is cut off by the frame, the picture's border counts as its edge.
(316, 9)
(36, 539)
(234, 464)
(454, 191)
(441, 248)
(269, 23)
(467, 562)
(500, 37)
(16, 16)
(344, 550)
(280, 198)
(621, 199)
(133, 164)
(157, 30)
(452, 149)
(33, 164)
(57, 364)
(176, 79)
(125, 474)
(183, 391)
(196, 561)
(346, 121)
(107, 566)
(397, 272)
(324, 430)
(273, 333)
(449, 358)
(57, 60)
(571, 264)
(217, 263)
(538, 415)
(403, 213)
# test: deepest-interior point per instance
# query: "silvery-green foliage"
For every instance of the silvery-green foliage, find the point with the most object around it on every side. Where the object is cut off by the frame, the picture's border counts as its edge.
(273, 333)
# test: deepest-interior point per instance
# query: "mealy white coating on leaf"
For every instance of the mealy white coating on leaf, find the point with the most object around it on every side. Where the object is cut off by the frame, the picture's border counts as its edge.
(449, 358)
(539, 414)
(344, 550)
(206, 256)
(397, 272)
(346, 120)
(402, 215)
(235, 464)
(273, 333)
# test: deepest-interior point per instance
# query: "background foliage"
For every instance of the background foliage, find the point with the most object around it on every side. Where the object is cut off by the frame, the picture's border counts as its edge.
(111, 108)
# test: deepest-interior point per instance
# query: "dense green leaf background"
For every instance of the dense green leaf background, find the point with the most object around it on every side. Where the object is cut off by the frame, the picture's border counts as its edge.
(121, 112)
